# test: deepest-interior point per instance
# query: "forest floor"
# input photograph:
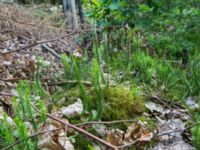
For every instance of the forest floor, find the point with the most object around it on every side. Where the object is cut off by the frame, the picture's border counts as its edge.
(29, 36)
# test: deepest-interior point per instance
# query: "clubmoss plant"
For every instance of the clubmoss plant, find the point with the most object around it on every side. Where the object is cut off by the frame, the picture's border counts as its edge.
(23, 112)
(77, 71)
(196, 136)
(96, 79)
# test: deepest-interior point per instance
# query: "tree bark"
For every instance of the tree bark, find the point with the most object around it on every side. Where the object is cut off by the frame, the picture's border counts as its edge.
(74, 15)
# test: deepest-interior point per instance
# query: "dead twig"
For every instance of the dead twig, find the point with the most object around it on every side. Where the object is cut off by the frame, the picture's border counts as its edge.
(177, 130)
(12, 79)
(52, 51)
(83, 132)
(37, 43)
(127, 145)
(59, 83)
(161, 101)
(7, 94)
(104, 122)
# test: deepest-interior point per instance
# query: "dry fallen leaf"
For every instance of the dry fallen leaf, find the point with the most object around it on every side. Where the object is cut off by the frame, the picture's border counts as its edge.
(115, 137)
(54, 140)
(146, 136)
(132, 133)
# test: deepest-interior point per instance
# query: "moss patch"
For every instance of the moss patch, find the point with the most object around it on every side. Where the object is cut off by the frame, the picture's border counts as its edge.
(120, 103)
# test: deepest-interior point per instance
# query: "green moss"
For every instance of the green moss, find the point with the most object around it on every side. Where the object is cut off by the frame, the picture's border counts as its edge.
(72, 95)
(120, 103)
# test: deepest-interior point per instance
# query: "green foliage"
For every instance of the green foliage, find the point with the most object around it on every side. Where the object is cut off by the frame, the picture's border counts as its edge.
(96, 82)
(170, 27)
(66, 65)
(144, 66)
(6, 136)
(25, 102)
(24, 112)
(194, 75)
(75, 68)
(78, 74)
(22, 133)
(37, 87)
(196, 136)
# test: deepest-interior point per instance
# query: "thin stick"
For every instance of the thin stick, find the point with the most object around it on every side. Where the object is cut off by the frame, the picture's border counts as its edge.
(59, 83)
(160, 100)
(52, 51)
(83, 132)
(127, 145)
(37, 43)
(177, 130)
(104, 122)
(6, 94)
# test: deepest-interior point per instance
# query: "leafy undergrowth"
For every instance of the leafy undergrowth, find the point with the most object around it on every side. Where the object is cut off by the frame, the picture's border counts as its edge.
(122, 93)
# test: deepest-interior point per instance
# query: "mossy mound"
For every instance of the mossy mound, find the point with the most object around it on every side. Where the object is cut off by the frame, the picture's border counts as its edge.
(120, 103)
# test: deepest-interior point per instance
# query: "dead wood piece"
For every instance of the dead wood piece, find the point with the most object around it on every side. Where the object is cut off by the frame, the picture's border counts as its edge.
(45, 81)
(52, 51)
(37, 43)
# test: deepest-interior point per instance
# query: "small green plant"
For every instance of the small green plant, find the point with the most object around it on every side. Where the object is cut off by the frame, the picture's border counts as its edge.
(66, 65)
(194, 75)
(17, 130)
(78, 75)
(6, 136)
(196, 136)
(96, 78)
(25, 102)
(143, 66)
(37, 87)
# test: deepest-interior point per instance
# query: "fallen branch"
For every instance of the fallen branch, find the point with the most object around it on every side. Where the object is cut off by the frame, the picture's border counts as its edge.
(59, 83)
(37, 43)
(52, 51)
(83, 132)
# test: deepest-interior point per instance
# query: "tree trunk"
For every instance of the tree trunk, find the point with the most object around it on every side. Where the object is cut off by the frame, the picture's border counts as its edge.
(74, 15)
